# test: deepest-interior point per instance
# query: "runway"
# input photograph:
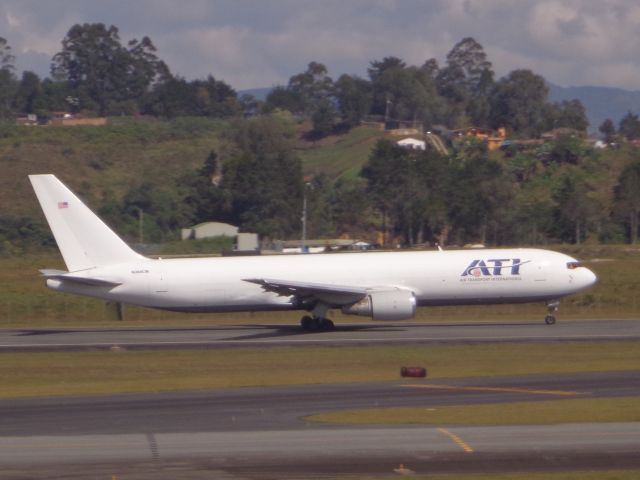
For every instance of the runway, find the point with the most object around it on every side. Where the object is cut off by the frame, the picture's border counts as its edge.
(291, 335)
(263, 433)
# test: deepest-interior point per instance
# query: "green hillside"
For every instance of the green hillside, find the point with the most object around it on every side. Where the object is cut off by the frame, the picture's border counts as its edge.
(96, 160)
(339, 156)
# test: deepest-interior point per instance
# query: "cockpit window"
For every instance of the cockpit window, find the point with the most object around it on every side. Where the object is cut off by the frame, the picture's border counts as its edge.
(573, 265)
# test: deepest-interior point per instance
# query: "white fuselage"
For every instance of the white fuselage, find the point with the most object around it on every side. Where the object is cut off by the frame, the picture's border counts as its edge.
(454, 277)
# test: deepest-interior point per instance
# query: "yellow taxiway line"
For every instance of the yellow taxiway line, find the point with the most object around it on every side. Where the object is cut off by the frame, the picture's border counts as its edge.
(457, 440)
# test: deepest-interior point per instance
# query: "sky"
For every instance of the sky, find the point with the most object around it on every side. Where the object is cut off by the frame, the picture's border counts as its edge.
(261, 43)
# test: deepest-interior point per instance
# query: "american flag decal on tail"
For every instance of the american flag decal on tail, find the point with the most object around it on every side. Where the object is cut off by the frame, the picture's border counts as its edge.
(63, 204)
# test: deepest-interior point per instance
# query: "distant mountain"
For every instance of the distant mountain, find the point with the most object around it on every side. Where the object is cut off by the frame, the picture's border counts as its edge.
(259, 93)
(601, 102)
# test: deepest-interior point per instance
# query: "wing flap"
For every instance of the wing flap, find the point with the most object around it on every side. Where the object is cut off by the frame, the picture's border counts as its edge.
(335, 295)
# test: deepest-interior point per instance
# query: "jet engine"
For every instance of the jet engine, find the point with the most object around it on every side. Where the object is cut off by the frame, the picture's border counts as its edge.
(385, 305)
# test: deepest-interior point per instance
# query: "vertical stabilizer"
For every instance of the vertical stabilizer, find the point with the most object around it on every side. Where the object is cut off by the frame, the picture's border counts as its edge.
(84, 240)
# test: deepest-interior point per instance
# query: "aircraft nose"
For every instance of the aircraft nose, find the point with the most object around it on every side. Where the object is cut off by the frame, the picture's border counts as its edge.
(588, 278)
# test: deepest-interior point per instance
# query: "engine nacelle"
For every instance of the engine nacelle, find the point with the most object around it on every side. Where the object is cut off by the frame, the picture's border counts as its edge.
(385, 305)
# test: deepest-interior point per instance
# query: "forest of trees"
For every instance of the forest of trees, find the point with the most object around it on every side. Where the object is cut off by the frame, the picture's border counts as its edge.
(96, 73)
(558, 191)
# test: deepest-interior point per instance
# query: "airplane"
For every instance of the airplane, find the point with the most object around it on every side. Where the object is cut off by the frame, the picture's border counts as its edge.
(380, 285)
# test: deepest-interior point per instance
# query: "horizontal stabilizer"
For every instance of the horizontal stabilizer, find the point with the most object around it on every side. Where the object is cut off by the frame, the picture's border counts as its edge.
(75, 278)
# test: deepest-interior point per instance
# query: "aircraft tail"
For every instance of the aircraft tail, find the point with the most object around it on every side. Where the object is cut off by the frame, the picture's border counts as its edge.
(84, 240)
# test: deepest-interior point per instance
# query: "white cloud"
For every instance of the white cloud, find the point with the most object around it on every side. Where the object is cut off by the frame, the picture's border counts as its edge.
(252, 44)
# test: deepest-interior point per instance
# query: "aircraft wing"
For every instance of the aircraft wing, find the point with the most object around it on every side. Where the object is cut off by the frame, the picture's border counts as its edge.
(69, 277)
(334, 295)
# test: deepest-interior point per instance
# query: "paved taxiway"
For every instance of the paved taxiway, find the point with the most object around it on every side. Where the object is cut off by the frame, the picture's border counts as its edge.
(262, 432)
(292, 335)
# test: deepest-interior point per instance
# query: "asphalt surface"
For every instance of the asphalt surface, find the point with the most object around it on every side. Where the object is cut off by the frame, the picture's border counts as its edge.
(262, 433)
(292, 335)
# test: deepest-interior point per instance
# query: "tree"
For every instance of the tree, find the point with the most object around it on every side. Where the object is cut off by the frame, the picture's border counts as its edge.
(409, 93)
(431, 68)
(96, 64)
(144, 68)
(323, 118)
(567, 149)
(378, 67)
(29, 94)
(568, 114)
(429, 190)
(608, 129)
(282, 98)
(176, 97)
(161, 208)
(173, 98)
(518, 103)
(7, 91)
(627, 198)
(388, 66)
(480, 193)
(387, 173)
(7, 79)
(469, 59)
(6, 57)
(351, 206)
(202, 199)
(466, 81)
(354, 98)
(630, 126)
(576, 208)
(313, 87)
(263, 179)
(214, 98)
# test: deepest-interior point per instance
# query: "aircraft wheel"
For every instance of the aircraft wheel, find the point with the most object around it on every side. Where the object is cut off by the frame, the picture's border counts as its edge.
(308, 323)
(326, 324)
(550, 319)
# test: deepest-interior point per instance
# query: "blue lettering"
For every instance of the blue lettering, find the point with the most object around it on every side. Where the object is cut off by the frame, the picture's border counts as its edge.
(515, 267)
(476, 265)
(479, 268)
(497, 265)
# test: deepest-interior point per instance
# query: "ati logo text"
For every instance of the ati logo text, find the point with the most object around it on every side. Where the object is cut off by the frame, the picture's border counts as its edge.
(493, 267)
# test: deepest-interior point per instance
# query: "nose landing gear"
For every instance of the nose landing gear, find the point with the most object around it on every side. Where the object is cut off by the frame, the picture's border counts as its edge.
(552, 308)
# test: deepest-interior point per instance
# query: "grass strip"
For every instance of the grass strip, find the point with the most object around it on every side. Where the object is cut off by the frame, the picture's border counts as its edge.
(620, 409)
(578, 475)
(119, 371)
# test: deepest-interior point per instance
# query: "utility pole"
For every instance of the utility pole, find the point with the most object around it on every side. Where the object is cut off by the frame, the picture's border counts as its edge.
(140, 225)
(386, 112)
(303, 245)
(304, 220)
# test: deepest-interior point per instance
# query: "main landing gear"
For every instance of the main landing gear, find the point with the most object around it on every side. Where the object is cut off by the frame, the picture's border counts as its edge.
(316, 324)
(318, 320)
(552, 308)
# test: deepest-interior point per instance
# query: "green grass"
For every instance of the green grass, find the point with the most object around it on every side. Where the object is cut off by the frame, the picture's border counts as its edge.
(578, 475)
(621, 409)
(341, 156)
(75, 373)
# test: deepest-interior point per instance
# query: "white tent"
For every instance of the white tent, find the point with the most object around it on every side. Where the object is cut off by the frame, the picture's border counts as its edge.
(413, 144)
